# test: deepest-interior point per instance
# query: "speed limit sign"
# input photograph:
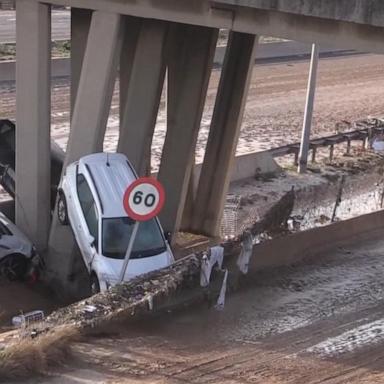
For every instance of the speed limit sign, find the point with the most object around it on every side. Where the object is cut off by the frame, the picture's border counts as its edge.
(144, 199)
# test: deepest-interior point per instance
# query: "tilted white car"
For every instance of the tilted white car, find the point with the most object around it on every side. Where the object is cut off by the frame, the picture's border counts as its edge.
(91, 201)
(17, 254)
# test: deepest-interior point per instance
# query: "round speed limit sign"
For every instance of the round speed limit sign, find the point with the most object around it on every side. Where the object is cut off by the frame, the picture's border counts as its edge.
(144, 199)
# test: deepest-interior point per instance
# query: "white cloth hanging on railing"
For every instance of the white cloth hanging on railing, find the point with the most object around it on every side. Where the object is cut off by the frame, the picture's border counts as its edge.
(246, 253)
(208, 262)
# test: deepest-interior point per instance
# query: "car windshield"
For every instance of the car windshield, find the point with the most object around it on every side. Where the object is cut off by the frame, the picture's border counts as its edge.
(117, 232)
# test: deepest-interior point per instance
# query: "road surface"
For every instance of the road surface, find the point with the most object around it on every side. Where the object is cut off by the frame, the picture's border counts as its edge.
(60, 26)
(321, 321)
(349, 88)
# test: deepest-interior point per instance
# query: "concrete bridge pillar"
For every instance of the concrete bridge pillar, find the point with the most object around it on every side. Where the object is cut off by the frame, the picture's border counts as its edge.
(224, 132)
(131, 29)
(190, 61)
(141, 86)
(33, 115)
(89, 120)
(80, 23)
(95, 90)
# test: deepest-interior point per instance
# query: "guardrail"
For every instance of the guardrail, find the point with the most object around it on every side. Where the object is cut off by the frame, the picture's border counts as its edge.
(365, 131)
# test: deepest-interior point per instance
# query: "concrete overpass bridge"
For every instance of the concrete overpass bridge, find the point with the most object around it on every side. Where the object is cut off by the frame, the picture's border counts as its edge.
(144, 39)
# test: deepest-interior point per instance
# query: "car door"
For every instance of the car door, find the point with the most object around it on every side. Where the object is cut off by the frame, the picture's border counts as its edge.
(88, 220)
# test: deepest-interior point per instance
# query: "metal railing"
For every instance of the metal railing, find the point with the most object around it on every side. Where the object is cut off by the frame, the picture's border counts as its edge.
(364, 131)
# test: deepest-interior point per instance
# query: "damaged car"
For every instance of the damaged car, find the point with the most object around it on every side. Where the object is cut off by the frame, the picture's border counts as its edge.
(18, 256)
(91, 201)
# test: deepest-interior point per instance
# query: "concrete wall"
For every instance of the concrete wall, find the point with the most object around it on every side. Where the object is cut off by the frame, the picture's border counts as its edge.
(292, 248)
(245, 166)
(341, 23)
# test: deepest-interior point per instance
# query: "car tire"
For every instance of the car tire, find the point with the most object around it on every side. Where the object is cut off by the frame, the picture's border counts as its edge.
(94, 284)
(62, 211)
(14, 267)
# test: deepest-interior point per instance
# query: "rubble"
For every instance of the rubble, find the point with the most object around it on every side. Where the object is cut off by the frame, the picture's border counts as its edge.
(27, 318)
(131, 297)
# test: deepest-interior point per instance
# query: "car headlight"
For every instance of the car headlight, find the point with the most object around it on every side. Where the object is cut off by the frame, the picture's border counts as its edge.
(109, 280)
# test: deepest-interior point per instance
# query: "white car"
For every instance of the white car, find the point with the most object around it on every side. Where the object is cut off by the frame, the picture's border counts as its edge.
(18, 256)
(91, 201)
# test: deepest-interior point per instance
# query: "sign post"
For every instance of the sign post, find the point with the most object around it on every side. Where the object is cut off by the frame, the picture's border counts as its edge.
(129, 251)
(143, 200)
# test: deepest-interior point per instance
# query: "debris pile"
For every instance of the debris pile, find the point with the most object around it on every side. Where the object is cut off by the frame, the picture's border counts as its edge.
(140, 294)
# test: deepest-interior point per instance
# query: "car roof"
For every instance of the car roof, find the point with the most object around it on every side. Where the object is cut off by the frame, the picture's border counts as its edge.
(111, 174)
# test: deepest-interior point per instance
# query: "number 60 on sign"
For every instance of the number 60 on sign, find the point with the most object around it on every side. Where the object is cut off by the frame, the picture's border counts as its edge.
(144, 199)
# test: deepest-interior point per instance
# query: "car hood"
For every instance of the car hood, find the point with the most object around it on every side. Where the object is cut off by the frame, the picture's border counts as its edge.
(109, 269)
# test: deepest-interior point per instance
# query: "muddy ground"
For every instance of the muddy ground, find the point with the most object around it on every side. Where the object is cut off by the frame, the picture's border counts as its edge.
(320, 321)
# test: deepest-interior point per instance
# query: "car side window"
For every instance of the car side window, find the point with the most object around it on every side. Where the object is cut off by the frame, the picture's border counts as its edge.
(4, 230)
(88, 206)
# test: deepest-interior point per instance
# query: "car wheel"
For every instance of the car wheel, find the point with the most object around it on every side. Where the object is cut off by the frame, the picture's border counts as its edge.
(62, 211)
(95, 285)
(14, 267)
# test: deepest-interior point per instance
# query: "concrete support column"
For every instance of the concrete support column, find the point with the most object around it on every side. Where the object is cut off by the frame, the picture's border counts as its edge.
(223, 136)
(306, 133)
(143, 92)
(80, 23)
(89, 120)
(191, 55)
(131, 31)
(97, 80)
(33, 101)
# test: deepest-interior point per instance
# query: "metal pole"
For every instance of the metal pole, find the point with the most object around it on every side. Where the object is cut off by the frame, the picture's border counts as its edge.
(129, 251)
(304, 147)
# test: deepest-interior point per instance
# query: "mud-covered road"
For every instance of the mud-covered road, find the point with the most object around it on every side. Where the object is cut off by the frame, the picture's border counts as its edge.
(321, 321)
(349, 88)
